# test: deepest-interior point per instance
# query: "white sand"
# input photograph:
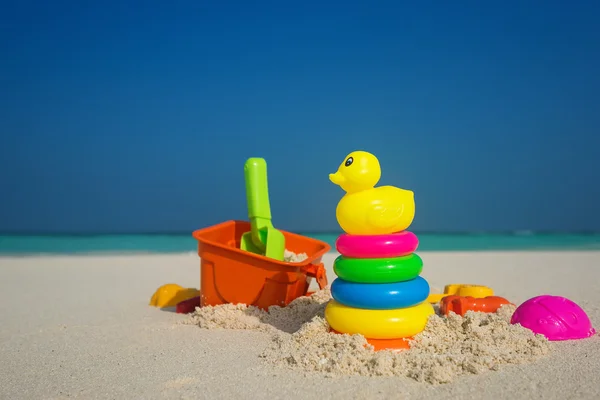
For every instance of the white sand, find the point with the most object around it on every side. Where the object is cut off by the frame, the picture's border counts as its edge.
(449, 347)
(81, 327)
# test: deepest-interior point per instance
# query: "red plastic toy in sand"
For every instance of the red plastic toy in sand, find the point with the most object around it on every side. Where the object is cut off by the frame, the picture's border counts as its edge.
(188, 306)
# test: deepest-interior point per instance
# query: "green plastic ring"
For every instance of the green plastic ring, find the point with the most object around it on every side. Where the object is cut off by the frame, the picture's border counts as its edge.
(378, 270)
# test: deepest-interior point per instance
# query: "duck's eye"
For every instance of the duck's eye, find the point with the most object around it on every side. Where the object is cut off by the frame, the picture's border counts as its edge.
(349, 161)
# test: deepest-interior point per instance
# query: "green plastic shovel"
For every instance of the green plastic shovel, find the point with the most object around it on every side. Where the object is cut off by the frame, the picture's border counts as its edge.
(263, 238)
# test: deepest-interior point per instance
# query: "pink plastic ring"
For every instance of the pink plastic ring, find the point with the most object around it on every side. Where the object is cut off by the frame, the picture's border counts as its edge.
(377, 246)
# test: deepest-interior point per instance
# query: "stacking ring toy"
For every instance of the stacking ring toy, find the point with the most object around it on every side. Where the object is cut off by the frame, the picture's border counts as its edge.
(378, 270)
(380, 296)
(378, 324)
(377, 246)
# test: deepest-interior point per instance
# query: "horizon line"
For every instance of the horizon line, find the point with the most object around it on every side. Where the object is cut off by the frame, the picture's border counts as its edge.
(319, 232)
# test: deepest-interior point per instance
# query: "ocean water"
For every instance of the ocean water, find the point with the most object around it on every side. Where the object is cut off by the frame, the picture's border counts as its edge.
(182, 243)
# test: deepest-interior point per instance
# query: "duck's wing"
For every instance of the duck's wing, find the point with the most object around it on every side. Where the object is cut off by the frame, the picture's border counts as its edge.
(385, 214)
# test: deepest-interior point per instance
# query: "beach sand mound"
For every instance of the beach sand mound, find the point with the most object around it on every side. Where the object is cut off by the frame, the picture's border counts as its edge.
(447, 348)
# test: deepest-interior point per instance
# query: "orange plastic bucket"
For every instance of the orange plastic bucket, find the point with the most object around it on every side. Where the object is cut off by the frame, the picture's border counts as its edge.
(231, 275)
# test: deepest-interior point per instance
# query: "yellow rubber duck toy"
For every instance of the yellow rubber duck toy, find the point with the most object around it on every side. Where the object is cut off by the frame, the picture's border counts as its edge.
(365, 209)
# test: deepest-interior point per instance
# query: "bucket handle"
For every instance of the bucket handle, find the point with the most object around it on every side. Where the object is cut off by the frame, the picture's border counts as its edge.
(318, 272)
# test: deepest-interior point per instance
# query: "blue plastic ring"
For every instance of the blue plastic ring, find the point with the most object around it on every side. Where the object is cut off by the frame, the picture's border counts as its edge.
(380, 296)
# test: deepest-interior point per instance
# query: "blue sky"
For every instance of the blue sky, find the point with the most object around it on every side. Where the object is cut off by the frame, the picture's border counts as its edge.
(122, 116)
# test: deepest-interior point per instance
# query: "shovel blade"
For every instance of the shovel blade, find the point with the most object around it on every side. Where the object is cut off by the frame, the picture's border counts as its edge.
(272, 240)
(275, 244)
(247, 244)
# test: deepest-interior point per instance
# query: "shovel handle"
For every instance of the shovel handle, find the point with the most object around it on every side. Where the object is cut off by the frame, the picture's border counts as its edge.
(257, 190)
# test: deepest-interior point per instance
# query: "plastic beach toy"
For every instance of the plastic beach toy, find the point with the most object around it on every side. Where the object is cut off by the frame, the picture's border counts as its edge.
(555, 317)
(378, 324)
(461, 289)
(188, 306)
(231, 275)
(382, 296)
(385, 344)
(461, 304)
(377, 246)
(378, 293)
(171, 294)
(378, 270)
(366, 210)
(263, 238)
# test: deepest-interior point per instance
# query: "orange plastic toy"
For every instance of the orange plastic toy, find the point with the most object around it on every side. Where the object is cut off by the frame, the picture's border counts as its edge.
(231, 275)
(461, 289)
(461, 304)
(385, 344)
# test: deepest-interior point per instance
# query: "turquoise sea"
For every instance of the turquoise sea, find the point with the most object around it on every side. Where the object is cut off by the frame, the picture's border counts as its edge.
(177, 243)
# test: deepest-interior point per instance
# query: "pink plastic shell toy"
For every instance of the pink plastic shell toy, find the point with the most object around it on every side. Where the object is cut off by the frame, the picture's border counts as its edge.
(555, 317)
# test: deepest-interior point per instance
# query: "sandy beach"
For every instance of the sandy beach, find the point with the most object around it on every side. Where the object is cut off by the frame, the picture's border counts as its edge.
(81, 327)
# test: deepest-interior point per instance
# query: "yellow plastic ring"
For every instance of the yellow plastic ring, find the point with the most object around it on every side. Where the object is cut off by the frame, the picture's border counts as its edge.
(378, 324)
